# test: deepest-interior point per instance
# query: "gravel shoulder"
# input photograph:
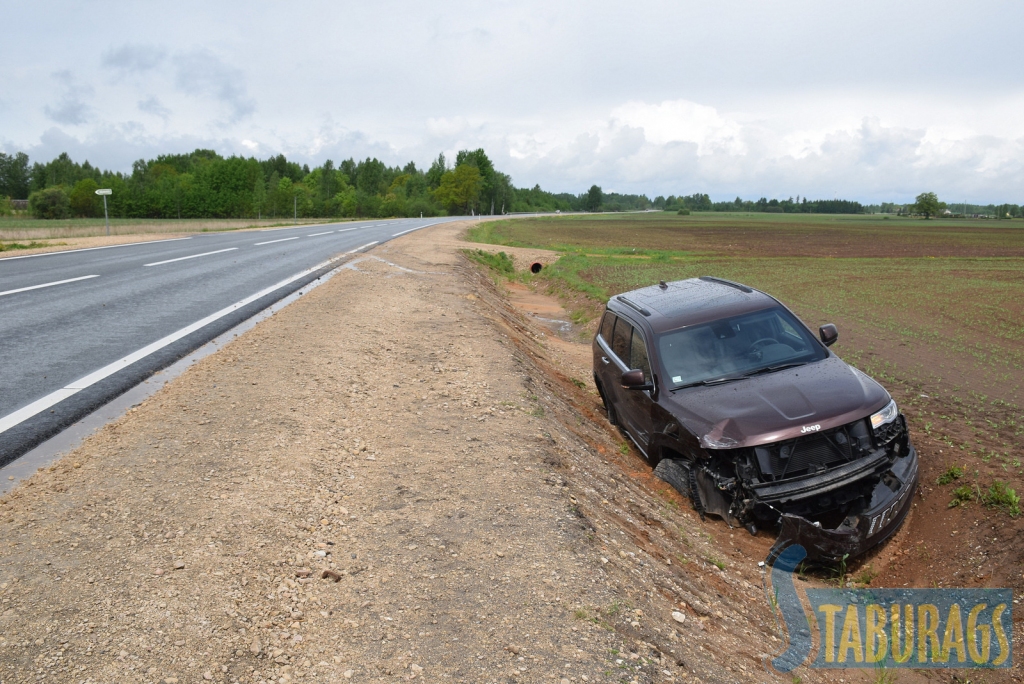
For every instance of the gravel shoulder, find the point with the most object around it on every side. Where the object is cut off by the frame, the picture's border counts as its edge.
(395, 477)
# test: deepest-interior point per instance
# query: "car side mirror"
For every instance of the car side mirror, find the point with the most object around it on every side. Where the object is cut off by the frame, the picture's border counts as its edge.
(634, 380)
(829, 333)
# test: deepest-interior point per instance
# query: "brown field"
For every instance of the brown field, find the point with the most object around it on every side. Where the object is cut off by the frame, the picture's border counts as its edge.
(932, 309)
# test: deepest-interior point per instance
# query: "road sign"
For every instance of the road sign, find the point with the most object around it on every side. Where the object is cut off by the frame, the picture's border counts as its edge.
(104, 191)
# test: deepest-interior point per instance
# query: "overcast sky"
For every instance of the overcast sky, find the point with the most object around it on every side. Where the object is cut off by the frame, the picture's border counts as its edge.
(869, 100)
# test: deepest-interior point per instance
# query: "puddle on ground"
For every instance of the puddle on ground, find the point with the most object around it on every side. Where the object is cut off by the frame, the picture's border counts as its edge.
(542, 308)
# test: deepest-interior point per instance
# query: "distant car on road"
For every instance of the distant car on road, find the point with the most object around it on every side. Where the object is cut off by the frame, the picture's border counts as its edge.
(748, 413)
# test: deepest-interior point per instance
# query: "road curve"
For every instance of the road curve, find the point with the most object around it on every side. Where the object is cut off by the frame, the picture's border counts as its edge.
(78, 328)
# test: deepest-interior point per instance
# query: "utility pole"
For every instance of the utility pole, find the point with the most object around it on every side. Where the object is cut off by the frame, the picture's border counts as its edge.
(295, 208)
(104, 192)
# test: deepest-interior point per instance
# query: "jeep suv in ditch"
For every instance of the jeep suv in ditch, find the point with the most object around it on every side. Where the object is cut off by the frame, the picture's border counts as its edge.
(749, 414)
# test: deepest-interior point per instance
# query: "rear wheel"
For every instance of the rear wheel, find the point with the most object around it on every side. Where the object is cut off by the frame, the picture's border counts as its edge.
(609, 409)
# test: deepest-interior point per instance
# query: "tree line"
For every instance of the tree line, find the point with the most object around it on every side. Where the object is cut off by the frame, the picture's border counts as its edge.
(203, 184)
(702, 202)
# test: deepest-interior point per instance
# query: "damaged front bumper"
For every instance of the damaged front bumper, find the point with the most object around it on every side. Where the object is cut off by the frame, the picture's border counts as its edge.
(890, 502)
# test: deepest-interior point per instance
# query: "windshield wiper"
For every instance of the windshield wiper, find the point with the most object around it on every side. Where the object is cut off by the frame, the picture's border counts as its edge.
(772, 369)
(712, 381)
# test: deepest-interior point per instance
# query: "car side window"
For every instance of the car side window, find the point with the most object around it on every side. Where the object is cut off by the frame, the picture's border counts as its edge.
(620, 339)
(606, 326)
(638, 356)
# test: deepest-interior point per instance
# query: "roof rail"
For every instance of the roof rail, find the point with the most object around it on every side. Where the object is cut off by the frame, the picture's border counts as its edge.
(633, 305)
(723, 281)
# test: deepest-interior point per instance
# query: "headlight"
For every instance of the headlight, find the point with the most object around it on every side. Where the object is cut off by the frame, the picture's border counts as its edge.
(885, 416)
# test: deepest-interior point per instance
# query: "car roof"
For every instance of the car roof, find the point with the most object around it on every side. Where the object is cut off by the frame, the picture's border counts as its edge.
(690, 302)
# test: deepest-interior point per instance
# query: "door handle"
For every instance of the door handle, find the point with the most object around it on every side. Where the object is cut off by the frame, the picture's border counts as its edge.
(605, 359)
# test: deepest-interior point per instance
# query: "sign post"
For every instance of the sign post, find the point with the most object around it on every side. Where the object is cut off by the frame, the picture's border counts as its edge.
(104, 192)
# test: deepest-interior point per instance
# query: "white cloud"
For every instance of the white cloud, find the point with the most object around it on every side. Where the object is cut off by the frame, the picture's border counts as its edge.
(731, 98)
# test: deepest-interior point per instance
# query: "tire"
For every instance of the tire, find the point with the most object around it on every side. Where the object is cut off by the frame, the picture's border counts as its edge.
(683, 479)
(609, 409)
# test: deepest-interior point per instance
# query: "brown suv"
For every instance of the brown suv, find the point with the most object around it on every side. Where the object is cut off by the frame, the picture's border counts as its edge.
(749, 414)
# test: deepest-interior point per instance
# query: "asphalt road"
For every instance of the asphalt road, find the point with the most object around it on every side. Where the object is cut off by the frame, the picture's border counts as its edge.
(79, 328)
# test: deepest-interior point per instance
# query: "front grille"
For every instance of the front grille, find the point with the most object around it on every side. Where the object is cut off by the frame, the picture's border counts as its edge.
(808, 454)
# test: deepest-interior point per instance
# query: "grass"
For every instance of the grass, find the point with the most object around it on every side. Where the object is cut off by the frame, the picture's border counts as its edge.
(10, 246)
(21, 228)
(499, 262)
(1000, 495)
(933, 309)
(962, 496)
(951, 473)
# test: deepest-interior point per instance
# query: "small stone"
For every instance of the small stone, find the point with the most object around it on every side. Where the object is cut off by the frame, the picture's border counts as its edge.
(416, 668)
(330, 574)
(678, 617)
(171, 680)
(499, 554)
(603, 559)
(11, 478)
(179, 565)
(208, 676)
(179, 642)
(564, 681)
(255, 647)
(348, 674)
(303, 572)
(76, 464)
(158, 572)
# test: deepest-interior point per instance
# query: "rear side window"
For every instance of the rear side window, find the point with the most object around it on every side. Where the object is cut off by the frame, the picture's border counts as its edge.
(638, 355)
(606, 326)
(620, 339)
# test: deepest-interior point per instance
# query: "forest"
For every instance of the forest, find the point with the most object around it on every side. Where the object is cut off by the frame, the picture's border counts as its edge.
(203, 184)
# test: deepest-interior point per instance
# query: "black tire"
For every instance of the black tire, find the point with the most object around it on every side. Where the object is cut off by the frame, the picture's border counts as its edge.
(675, 473)
(682, 478)
(609, 409)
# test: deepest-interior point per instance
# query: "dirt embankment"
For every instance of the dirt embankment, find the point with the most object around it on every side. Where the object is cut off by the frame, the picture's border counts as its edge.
(399, 476)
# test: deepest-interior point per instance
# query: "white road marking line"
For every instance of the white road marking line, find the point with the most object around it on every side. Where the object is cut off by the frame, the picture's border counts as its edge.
(368, 244)
(348, 229)
(270, 242)
(89, 249)
(40, 405)
(57, 282)
(412, 229)
(319, 234)
(194, 256)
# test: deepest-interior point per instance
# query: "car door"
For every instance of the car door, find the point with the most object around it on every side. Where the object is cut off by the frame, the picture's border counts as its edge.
(638, 404)
(633, 406)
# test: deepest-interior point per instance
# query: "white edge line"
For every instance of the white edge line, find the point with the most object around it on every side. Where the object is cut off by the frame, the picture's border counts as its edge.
(270, 242)
(89, 249)
(38, 406)
(319, 234)
(412, 229)
(368, 244)
(193, 256)
(58, 282)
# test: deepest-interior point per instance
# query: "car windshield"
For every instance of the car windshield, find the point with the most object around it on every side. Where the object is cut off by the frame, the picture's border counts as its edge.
(736, 347)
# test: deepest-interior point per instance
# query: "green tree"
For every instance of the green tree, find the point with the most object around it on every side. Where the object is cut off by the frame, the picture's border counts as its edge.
(594, 198)
(437, 169)
(928, 203)
(14, 175)
(6, 208)
(51, 203)
(459, 189)
(84, 200)
(259, 195)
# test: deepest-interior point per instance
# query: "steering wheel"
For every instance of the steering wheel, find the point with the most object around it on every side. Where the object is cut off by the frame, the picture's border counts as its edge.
(757, 343)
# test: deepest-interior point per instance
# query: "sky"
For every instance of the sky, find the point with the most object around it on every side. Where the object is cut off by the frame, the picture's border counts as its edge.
(870, 100)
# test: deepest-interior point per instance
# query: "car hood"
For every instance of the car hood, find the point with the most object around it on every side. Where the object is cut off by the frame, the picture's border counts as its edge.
(777, 406)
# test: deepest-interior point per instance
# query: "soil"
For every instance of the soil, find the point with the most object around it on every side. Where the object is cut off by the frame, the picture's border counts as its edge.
(401, 476)
(392, 478)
